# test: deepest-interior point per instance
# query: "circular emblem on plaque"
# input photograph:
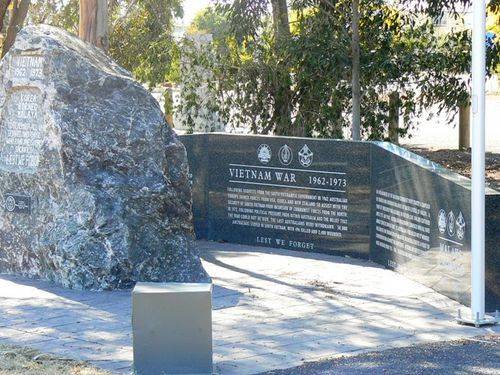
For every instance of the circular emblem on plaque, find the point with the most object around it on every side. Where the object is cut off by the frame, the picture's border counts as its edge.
(442, 221)
(10, 204)
(460, 224)
(264, 154)
(285, 155)
(451, 223)
(305, 156)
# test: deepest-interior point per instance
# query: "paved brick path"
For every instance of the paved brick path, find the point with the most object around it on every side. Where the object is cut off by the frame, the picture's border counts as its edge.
(272, 309)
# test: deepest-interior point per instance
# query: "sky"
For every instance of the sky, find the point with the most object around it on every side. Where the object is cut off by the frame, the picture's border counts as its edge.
(191, 8)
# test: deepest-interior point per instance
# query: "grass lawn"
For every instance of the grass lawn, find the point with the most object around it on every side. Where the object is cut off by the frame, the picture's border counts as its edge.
(25, 361)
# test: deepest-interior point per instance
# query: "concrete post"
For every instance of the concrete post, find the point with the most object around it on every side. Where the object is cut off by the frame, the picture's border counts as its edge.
(172, 328)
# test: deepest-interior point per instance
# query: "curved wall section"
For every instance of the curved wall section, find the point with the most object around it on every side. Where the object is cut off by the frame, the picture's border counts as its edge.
(371, 200)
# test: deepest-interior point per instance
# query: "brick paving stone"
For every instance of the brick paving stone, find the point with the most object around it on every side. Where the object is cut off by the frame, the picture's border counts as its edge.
(272, 309)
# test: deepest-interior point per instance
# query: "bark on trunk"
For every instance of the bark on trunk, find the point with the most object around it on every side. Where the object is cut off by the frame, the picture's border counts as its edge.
(356, 89)
(280, 19)
(283, 92)
(16, 22)
(4, 5)
(394, 117)
(93, 26)
(464, 127)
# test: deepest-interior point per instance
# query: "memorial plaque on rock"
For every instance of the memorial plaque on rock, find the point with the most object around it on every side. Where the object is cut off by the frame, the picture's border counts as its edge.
(94, 184)
(23, 130)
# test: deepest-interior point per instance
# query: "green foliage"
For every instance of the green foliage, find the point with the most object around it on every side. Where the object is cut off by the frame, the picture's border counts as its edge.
(301, 83)
(401, 51)
(209, 21)
(201, 105)
(60, 13)
(141, 38)
(141, 33)
(247, 70)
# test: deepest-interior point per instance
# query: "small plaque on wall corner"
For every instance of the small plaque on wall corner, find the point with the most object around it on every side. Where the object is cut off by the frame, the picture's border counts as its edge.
(17, 203)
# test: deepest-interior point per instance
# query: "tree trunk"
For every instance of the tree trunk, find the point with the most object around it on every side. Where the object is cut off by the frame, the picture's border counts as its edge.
(464, 127)
(94, 23)
(394, 117)
(356, 89)
(169, 105)
(16, 21)
(283, 92)
(280, 20)
(4, 5)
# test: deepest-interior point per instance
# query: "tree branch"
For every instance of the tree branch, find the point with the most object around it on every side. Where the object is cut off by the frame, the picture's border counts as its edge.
(4, 5)
(18, 15)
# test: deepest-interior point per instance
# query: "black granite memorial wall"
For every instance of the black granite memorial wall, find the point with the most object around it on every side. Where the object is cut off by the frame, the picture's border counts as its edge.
(421, 220)
(372, 200)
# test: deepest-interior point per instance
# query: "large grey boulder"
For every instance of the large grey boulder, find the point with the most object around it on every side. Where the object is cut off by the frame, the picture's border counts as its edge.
(93, 182)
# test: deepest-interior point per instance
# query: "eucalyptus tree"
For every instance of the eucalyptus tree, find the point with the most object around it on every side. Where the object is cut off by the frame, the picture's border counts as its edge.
(140, 31)
(405, 65)
(262, 27)
(93, 23)
(16, 16)
(142, 38)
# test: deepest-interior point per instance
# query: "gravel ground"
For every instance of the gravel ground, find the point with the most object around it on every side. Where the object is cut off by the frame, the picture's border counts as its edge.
(459, 162)
(474, 356)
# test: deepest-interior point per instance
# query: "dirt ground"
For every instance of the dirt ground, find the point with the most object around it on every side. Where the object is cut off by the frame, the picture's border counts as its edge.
(459, 162)
(25, 361)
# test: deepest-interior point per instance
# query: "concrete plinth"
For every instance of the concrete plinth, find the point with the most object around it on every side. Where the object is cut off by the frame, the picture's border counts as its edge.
(172, 328)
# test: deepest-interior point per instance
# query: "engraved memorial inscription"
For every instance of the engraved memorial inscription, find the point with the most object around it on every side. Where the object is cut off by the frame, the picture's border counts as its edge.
(29, 67)
(22, 131)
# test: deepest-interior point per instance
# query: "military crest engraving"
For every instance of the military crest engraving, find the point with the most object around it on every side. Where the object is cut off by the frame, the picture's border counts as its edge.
(285, 155)
(305, 156)
(442, 221)
(264, 154)
(460, 225)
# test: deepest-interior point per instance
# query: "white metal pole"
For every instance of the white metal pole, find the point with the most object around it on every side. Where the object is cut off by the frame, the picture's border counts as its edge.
(478, 149)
